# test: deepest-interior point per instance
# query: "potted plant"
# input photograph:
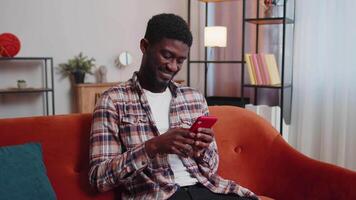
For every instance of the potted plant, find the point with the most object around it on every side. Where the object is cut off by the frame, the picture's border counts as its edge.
(21, 84)
(77, 67)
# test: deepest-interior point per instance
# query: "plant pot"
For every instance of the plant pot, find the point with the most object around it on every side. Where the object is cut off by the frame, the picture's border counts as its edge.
(21, 85)
(78, 76)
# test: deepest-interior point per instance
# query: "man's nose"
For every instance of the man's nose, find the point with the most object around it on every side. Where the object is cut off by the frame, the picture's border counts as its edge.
(173, 66)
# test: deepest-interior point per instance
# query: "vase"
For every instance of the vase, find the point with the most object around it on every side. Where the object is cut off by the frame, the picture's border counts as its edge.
(273, 10)
(78, 76)
(21, 85)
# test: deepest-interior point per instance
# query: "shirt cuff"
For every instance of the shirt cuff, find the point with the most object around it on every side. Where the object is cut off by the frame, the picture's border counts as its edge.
(203, 157)
(141, 158)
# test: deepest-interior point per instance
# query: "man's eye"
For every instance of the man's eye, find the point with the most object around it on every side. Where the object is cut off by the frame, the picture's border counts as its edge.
(167, 55)
(180, 61)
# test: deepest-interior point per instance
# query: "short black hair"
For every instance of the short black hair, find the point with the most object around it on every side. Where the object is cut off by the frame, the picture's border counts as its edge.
(169, 26)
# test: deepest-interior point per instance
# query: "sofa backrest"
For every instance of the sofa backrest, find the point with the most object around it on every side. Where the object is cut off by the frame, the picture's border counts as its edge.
(65, 142)
(251, 152)
(243, 141)
(255, 155)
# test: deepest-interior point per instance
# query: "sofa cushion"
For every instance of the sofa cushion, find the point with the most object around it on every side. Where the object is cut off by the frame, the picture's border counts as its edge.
(23, 173)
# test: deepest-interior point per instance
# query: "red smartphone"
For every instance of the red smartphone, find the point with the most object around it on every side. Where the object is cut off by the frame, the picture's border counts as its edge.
(203, 122)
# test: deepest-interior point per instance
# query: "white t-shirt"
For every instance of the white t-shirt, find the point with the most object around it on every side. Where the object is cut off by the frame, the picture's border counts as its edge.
(160, 105)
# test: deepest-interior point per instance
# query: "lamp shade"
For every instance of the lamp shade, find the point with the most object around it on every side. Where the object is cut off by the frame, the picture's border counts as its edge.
(215, 36)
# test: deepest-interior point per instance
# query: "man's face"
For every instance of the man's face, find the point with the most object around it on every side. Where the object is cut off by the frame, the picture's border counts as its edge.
(162, 61)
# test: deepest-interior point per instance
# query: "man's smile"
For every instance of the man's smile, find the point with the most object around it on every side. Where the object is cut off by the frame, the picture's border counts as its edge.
(165, 75)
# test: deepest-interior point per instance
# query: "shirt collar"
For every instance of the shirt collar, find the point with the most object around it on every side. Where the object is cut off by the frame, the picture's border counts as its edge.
(173, 86)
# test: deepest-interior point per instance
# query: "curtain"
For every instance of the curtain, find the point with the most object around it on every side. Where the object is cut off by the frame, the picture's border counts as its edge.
(324, 83)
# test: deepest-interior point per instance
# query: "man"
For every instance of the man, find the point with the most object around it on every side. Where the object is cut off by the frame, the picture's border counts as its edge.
(140, 141)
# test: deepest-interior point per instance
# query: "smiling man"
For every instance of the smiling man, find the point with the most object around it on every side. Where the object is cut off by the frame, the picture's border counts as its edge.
(140, 143)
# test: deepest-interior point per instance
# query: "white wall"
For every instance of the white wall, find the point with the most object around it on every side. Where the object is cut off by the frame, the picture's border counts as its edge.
(62, 29)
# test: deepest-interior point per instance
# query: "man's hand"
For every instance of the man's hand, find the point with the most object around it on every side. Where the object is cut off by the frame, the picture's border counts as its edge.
(203, 139)
(175, 141)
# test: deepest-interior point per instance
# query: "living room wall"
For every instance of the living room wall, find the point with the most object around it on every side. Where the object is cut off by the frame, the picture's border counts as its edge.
(62, 29)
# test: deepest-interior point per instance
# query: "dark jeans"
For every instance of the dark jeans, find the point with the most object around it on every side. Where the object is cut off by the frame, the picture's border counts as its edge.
(200, 192)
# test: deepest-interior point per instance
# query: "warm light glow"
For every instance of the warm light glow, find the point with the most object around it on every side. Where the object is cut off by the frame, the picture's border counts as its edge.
(215, 36)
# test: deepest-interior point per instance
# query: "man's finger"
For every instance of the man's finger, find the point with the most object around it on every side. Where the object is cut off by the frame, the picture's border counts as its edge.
(185, 140)
(178, 152)
(204, 138)
(188, 134)
(184, 148)
(201, 145)
(207, 131)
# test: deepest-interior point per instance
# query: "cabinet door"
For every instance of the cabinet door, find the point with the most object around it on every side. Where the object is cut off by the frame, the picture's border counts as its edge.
(88, 94)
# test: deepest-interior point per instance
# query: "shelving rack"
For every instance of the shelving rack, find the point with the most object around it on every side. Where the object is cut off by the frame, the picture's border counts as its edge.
(285, 85)
(285, 88)
(48, 87)
(211, 99)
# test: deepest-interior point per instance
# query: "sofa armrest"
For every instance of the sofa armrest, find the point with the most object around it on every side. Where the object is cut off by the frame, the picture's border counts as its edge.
(291, 175)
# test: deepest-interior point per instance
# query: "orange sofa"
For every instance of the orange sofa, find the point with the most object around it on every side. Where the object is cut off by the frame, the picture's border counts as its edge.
(251, 153)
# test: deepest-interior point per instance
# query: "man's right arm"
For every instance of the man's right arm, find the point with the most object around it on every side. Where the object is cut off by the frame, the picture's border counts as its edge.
(109, 166)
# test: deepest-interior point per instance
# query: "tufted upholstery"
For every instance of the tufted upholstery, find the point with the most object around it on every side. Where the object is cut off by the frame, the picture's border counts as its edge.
(251, 153)
(254, 154)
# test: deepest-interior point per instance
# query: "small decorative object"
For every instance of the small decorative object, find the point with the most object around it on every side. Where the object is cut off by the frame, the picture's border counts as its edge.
(21, 84)
(102, 71)
(124, 59)
(272, 8)
(9, 45)
(77, 67)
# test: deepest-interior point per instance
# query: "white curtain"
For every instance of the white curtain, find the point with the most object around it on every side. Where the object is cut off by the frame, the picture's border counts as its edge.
(324, 81)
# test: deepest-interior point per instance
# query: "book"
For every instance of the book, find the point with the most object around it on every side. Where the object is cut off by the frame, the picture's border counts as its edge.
(264, 68)
(253, 69)
(251, 107)
(257, 69)
(273, 69)
(260, 67)
(278, 116)
(272, 114)
(250, 69)
(265, 112)
(269, 113)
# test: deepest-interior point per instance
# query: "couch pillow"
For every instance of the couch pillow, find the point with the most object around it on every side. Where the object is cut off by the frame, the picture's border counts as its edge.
(23, 173)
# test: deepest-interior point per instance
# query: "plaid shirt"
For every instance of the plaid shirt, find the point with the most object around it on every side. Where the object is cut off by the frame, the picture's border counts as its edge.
(122, 122)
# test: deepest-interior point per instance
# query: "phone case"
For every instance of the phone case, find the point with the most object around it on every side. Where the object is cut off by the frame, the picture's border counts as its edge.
(204, 122)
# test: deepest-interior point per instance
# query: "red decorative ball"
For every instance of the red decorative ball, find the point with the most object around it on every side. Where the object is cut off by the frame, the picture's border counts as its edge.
(9, 45)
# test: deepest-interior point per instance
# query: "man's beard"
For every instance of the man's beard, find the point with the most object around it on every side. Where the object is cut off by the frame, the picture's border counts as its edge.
(161, 83)
(154, 81)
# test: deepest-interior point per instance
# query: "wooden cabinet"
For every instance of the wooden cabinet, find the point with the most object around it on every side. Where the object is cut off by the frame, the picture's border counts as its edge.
(88, 93)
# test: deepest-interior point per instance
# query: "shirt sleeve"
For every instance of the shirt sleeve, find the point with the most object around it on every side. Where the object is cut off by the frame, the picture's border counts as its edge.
(109, 165)
(209, 159)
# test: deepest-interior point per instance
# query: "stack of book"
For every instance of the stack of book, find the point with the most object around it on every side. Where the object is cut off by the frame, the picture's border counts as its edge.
(262, 69)
(272, 114)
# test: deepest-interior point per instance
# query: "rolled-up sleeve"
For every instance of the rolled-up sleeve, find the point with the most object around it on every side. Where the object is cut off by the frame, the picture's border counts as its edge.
(109, 165)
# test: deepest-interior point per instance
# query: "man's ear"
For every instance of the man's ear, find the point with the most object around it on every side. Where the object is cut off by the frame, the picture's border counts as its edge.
(144, 45)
